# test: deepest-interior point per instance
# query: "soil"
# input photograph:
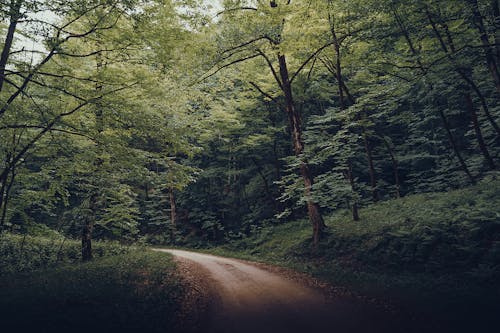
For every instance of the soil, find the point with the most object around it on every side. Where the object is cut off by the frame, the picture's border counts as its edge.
(233, 296)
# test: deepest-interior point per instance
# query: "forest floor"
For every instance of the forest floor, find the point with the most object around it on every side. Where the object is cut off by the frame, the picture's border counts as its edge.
(230, 295)
(43, 289)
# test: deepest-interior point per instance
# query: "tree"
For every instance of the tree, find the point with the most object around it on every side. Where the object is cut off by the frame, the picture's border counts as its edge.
(269, 45)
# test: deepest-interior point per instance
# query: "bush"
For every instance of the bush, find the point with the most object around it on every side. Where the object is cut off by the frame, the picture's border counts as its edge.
(23, 253)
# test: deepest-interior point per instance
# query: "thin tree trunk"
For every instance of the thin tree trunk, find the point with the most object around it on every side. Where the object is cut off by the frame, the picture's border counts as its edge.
(482, 100)
(395, 167)
(371, 169)
(3, 187)
(468, 99)
(341, 86)
(267, 188)
(422, 70)
(477, 129)
(89, 223)
(470, 82)
(354, 208)
(87, 229)
(313, 209)
(88, 226)
(276, 159)
(173, 208)
(408, 39)
(455, 147)
(6, 196)
(496, 16)
(22, 244)
(15, 8)
(277, 167)
(338, 63)
(483, 35)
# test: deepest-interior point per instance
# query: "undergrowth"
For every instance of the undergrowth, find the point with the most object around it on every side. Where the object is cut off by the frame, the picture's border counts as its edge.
(24, 253)
(50, 290)
(436, 251)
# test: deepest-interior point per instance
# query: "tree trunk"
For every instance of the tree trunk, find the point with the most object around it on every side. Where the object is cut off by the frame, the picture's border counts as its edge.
(88, 225)
(408, 39)
(477, 129)
(463, 74)
(371, 169)
(482, 99)
(496, 16)
(87, 229)
(338, 63)
(173, 209)
(468, 99)
(422, 70)
(15, 9)
(395, 167)
(313, 209)
(6, 195)
(3, 187)
(267, 188)
(455, 147)
(342, 87)
(354, 208)
(483, 35)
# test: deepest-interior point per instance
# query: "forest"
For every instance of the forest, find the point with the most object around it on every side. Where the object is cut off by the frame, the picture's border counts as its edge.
(356, 141)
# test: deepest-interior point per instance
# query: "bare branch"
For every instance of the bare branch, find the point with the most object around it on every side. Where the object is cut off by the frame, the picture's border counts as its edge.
(311, 57)
(235, 9)
(50, 125)
(270, 64)
(65, 76)
(85, 55)
(203, 78)
(42, 84)
(246, 44)
(52, 52)
(264, 93)
(25, 83)
(62, 130)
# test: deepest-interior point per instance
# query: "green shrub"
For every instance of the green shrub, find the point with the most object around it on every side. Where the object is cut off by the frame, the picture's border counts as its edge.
(23, 253)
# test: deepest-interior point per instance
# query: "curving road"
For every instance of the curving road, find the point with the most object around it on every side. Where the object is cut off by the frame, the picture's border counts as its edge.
(250, 299)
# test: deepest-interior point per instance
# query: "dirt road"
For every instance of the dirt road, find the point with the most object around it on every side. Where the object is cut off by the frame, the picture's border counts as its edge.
(246, 298)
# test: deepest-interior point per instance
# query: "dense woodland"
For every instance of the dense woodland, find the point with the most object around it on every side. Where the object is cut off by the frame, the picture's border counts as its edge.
(194, 123)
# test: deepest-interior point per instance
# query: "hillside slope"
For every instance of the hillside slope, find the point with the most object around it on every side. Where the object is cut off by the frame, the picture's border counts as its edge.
(437, 254)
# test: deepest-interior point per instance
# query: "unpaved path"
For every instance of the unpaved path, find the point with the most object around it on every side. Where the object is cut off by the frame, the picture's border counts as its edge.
(246, 298)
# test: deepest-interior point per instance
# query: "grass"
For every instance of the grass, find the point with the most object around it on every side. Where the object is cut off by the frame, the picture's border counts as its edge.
(124, 290)
(437, 253)
(25, 253)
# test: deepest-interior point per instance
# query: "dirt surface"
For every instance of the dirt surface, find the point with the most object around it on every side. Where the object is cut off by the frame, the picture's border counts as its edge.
(229, 295)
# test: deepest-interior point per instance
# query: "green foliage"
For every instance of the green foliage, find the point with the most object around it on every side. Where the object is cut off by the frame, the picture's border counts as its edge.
(127, 102)
(135, 291)
(26, 254)
(403, 247)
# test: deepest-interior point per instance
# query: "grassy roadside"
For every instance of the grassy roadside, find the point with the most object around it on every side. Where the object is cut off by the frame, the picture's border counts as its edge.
(437, 253)
(124, 290)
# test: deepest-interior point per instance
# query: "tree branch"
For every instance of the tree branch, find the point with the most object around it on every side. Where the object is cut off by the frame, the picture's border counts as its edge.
(203, 78)
(312, 56)
(270, 64)
(235, 9)
(264, 93)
